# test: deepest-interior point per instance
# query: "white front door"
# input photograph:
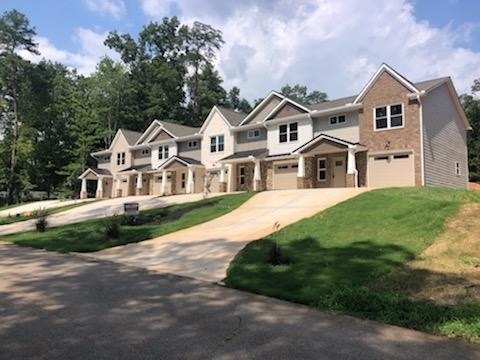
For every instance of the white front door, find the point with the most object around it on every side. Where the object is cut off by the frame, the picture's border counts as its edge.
(339, 172)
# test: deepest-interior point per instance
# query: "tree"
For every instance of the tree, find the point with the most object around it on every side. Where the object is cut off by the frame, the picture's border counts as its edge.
(300, 94)
(471, 105)
(15, 35)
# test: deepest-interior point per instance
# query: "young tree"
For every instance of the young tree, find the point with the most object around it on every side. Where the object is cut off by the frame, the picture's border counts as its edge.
(15, 35)
(300, 94)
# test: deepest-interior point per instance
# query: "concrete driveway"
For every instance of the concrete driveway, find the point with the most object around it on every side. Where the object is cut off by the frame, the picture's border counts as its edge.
(204, 251)
(37, 205)
(103, 208)
(56, 306)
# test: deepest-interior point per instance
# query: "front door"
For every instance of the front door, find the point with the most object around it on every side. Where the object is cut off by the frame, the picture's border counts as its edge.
(339, 172)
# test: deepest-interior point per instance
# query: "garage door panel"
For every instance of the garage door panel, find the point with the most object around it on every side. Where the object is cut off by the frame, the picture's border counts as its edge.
(285, 176)
(391, 170)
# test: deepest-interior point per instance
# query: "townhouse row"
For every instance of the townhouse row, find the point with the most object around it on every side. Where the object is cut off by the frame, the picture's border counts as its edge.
(393, 133)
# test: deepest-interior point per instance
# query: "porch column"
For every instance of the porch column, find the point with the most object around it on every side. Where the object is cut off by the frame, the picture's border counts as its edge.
(164, 183)
(190, 183)
(139, 184)
(256, 176)
(99, 194)
(352, 173)
(83, 190)
(301, 166)
(118, 187)
(223, 183)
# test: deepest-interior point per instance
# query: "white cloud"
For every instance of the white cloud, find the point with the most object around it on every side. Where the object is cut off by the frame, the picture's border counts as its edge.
(327, 45)
(91, 50)
(113, 8)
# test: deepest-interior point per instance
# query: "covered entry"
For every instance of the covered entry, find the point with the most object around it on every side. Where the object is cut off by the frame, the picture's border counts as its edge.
(392, 169)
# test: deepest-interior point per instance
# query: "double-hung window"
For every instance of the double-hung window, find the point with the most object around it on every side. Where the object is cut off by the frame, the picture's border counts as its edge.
(288, 132)
(163, 152)
(388, 117)
(338, 119)
(253, 134)
(217, 143)
(121, 158)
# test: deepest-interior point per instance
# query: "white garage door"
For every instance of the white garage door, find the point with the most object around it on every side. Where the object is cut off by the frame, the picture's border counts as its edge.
(391, 170)
(285, 176)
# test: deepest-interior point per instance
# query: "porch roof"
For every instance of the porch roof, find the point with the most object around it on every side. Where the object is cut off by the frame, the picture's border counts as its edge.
(181, 159)
(245, 155)
(340, 142)
(137, 168)
(95, 171)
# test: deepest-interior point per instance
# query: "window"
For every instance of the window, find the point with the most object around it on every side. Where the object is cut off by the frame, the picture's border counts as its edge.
(145, 151)
(322, 169)
(163, 152)
(339, 119)
(387, 117)
(216, 143)
(458, 172)
(253, 134)
(192, 144)
(121, 158)
(183, 181)
(241, 175)
(288, 132)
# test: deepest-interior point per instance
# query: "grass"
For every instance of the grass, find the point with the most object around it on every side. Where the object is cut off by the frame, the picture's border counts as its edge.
(32, 214)
(90, 235)
(342, 260)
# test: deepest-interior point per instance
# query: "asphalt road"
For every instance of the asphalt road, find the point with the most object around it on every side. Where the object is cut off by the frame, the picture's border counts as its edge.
(55, 306)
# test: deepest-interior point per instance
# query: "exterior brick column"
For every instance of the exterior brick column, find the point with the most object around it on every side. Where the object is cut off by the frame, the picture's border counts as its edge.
(350, 180)
(222, 187)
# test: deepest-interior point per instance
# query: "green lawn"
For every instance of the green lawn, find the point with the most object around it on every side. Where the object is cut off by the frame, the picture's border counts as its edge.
(50, 211)
(340, 259)
(90, 235)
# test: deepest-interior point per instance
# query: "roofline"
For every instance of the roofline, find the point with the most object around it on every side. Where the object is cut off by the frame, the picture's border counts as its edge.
(209, 117)
(328, 111)
(247, 127)
(282, 103)
(140, 139)
(320, 137)
(267, 98)
(395, 74)
(288, 118)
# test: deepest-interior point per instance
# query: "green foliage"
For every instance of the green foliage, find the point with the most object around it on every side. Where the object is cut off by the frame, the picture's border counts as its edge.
(300, 94)
(337, 258)
(471, 105)
(41, 222)
(112, 228)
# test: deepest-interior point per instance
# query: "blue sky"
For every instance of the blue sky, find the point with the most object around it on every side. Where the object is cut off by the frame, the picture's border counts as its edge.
(329, 45)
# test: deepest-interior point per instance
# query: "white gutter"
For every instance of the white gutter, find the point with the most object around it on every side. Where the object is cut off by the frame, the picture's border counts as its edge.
(287, 119)
(247, 127)
(422, 157)
(334, 110)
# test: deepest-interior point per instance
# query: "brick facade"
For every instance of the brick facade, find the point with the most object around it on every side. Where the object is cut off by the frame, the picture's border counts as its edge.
(388, 91)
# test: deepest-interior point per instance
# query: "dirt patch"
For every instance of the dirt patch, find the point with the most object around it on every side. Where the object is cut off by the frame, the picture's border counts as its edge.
(447, 272)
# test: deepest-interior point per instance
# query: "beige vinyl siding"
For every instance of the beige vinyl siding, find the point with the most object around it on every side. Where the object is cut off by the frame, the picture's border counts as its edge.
(346, 131)
(243, 143)
(141, 159)
(444, 141)
(184, 151)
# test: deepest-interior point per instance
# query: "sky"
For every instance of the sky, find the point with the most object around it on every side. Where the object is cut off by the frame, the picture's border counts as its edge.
(333, 46)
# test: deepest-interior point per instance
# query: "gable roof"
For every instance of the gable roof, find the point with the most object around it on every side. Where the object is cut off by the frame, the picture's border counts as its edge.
(385, 68)
(181, 159)
(320, 137)
(172, 129)
(216, 109)
(283, 103)
(233, 117)
(97, 172)
(130, 136)
(262, 105)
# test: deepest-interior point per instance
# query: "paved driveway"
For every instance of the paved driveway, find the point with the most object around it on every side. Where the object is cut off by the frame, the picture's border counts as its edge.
(204, 251)
(57, 307)
(37, 205)
(101, 209)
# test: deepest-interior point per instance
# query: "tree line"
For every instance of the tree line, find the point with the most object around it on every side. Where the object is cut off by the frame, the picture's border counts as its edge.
(52, 117)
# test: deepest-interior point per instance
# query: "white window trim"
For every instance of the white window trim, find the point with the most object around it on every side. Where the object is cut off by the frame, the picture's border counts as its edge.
(288, 132)
(336, 119)
(324, 169)
(251, 134)
(458, 170)
(389, 127)
(190, 144)
(165, 150)
(217, 143)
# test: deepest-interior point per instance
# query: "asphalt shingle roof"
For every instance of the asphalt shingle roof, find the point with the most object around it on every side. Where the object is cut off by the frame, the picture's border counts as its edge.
(131, 136)
(233, 117)
(179, 130)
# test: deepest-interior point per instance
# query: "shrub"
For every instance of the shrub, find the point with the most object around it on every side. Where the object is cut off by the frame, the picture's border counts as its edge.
(112, 229)
(41, 223)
